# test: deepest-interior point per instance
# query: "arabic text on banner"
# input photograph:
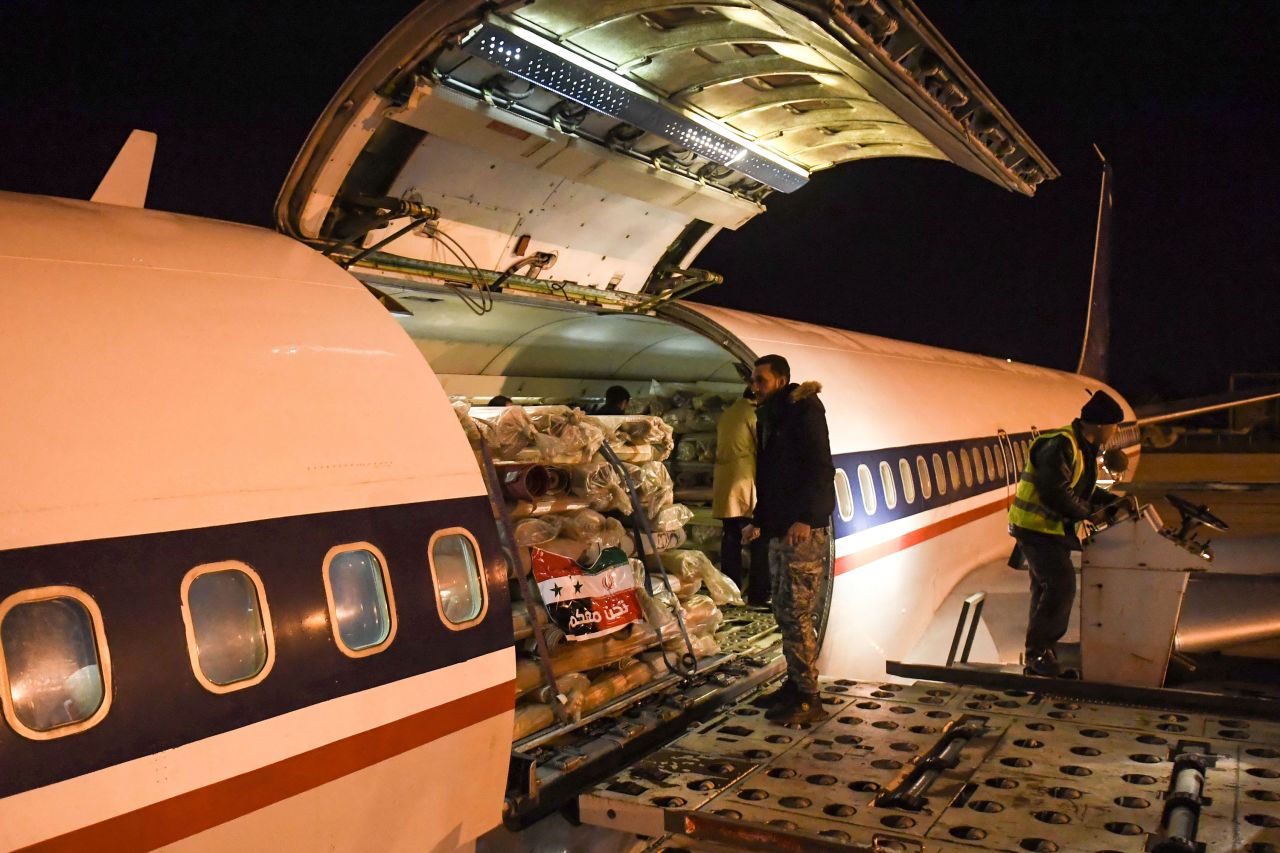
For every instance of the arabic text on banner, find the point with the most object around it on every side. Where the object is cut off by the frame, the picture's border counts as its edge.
(587, 602)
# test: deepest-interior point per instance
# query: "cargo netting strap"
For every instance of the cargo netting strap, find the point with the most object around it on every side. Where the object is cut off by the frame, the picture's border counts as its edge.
(687, 665)
(506, 535)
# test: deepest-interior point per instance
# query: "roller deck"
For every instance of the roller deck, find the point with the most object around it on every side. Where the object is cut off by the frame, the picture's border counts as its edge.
(1045, 773)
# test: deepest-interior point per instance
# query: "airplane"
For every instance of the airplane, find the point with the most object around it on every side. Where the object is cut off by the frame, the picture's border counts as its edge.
(252, 593)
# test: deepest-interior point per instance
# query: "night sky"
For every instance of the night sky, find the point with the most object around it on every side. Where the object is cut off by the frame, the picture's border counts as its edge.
(1178, 95)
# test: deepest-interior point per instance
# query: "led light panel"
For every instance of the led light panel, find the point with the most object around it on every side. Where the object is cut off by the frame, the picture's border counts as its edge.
(547, 64)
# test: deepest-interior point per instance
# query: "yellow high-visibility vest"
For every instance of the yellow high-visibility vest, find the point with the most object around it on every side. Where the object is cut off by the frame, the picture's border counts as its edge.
(1028, 510)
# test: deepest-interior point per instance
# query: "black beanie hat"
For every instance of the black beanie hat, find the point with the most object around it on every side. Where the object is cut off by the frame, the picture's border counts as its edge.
(1102, 408)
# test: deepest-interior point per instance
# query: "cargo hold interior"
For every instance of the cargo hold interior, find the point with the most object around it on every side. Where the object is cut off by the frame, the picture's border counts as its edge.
(623, 691)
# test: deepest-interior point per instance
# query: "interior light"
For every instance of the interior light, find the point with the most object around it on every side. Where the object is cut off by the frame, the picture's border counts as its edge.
(544, 63)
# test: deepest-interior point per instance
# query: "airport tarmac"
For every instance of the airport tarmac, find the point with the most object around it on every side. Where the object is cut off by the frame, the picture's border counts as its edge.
(1049, 773)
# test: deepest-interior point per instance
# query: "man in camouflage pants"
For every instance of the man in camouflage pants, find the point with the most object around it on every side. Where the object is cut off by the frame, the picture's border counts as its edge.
(795, 494)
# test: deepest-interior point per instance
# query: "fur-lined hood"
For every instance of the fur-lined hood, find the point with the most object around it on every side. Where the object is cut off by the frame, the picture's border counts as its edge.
(805, 390)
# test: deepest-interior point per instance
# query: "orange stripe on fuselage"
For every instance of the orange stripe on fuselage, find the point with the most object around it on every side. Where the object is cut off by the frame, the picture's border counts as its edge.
(204, 808)
(849, 562)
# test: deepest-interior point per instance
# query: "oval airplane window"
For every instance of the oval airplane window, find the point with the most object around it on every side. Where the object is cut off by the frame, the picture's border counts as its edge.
(939, 474)
(361, 603)
(54, 667)
(977, 465)
(926, 486)
(1017, 455)
(954, 468)
(455, 569)
(908, 481)
(229, 637)
(1000, 468)
(890, 489)
(844, 495)
(991, 464)
(868, 489)
(966, 468)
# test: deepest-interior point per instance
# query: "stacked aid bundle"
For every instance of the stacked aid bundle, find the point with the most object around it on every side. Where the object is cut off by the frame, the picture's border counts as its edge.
(573, 522)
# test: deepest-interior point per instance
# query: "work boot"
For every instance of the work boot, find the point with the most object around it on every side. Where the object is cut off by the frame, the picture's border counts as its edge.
(1045, 665)
(1042, 663)
(779, 700)
(805, 710)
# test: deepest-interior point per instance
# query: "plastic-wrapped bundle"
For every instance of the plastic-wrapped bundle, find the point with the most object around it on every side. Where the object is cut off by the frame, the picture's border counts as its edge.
(705, 646)
(543, 506)
(513, 431)
(696, 447)
(565, 435)
(462, 409)
(672, 517)
(654, 487)
(573, 686)
(583, 525)
(528, 675)
(521, 621)
(705, 537)
(666, 540)
(681, 420)
(613, 535)
(701, 615)
(657, 612)
(596, 482)
(720, 586)
(714, 403)
(610, 685)
(686, 565)
(536, 531)
(530, 718)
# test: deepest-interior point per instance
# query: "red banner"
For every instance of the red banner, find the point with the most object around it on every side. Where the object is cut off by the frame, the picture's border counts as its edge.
(587, 601)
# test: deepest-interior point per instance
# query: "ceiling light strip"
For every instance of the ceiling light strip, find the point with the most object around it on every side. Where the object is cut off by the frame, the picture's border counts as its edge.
(545, 63)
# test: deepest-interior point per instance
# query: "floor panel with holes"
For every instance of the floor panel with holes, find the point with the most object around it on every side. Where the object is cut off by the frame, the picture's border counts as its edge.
(1009, 771)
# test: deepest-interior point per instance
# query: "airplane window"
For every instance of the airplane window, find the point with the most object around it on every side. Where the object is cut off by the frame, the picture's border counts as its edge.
(54, 666)
(922, 468)
(977, 465)
(455, 568)
(908, 481)
(1000, 463)
(954, 469)
(228, 626)
(939, 474)
(868, 489)
(886, 482)
(361, 605)
(844, 495)
(991, 463)
(966, 468)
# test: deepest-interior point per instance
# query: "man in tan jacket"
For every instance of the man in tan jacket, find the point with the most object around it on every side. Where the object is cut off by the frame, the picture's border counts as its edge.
(734, 495)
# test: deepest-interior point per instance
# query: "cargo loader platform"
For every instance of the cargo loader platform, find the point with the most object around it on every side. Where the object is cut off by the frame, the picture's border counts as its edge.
(943, 767)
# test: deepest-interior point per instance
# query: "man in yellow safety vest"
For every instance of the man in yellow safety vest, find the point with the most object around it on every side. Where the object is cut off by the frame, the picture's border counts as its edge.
(1058, 490)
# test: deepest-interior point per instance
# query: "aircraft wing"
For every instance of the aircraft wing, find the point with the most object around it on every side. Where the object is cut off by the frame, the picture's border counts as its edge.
(1174, 410)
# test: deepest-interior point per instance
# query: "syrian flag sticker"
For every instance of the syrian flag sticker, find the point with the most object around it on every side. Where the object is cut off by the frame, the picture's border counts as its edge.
(587, 601)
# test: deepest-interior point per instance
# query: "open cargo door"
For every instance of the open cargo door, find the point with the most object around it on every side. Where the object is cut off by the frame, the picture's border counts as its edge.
(605, 143)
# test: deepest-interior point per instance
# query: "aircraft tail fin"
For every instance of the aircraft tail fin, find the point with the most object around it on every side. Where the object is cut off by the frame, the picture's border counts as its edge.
(126, 182)
(1097, 326)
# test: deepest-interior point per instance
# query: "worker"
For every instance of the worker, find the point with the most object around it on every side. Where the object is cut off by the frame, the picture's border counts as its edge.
(795, 494)
(1057, 491)
(615, 401)
(733, 497)
(502, 401)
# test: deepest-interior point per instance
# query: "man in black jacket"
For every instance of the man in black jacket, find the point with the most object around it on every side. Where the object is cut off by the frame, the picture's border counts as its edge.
(795, 494)
(1057, 491)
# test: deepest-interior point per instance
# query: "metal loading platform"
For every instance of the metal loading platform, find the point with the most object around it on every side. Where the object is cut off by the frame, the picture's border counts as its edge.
(942, 767)
(550, 767)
